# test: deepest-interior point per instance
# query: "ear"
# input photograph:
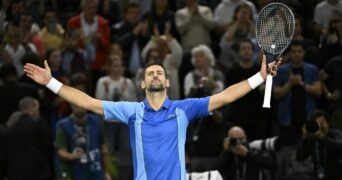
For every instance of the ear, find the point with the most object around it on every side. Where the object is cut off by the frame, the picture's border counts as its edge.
(167, 84)
(142, 84)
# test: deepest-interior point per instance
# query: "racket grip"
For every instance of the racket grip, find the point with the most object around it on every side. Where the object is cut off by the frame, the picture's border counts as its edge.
(268, 91)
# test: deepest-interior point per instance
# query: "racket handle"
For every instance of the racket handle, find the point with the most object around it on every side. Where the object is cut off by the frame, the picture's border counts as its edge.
(268, 91)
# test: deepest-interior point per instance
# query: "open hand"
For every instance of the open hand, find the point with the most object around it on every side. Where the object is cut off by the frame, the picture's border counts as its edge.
(38, 74)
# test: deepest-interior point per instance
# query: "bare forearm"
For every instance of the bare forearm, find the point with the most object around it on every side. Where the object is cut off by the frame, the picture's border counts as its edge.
(80, 99)
(229, 95)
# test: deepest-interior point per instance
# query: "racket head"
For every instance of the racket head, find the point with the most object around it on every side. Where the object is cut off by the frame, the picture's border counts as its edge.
(274, 28)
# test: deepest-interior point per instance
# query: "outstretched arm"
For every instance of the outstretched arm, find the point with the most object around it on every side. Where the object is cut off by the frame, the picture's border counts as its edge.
(240, 89)
(72, 95)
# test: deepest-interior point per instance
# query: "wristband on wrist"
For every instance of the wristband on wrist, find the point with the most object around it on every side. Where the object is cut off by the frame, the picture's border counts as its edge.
(255, 80)
(54, 85)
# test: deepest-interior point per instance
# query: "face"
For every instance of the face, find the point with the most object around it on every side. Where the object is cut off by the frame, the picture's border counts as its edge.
(116, 67)
(17, 8)
(243, 14)
(160, 4)
(49, 16)
(14, 34)
(237, 133)
(296, 54)
(34, 109)
(78, 112)
(155, 79)
(55, 58)
(89, 9)
(245, 51)
(163, 47)
(26, 22)
(201, 60)
(298, 27)
(132, 15)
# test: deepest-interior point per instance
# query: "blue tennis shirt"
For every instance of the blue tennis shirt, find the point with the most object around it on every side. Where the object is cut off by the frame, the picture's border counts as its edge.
(158, 137)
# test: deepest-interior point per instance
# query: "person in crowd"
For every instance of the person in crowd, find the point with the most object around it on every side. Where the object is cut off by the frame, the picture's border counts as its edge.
(81, 145)
(241, 27)
(132, 36)
(160, 16)
(194, 23)
(239, 161)
(204, 78)
(322, 143)
(157, 124)
(94, 36)
(224, 12)
(116, 87)
(15, 46)
(296, 89)
(11, 91)
(28, 143)
(255, 123)
(52, 32)
(331, 76)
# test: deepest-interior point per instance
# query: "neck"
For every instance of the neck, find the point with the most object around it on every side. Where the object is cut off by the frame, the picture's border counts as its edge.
(115, 77)
(296, 65)
(159, 11)
(156, 99)
(246, 64)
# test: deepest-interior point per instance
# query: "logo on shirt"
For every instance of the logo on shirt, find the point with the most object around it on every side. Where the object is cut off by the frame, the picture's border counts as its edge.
(170, 116)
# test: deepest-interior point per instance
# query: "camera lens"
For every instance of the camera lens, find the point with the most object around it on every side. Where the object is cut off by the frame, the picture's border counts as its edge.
(312, 127)
(233, 142)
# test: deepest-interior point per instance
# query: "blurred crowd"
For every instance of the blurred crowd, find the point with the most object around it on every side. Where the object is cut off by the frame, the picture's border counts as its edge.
(101, 47)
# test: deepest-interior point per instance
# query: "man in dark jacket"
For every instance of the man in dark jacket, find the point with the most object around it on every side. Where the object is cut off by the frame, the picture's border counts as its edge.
(240, 162)
(324, 145)
(28, 144)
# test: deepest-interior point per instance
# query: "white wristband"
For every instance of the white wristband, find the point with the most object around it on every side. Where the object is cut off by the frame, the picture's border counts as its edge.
(54, 85)
(255, 80)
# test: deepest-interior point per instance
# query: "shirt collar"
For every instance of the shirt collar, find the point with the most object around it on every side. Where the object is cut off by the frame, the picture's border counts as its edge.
(166, 105)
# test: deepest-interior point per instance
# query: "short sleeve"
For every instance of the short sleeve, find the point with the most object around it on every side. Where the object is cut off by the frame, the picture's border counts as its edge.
(197, 107)
(118, 110)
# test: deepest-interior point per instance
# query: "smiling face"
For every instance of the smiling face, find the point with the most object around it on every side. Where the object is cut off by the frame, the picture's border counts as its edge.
(155, 79)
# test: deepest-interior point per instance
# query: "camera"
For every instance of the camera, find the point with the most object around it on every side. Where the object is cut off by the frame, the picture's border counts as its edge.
(234, 142)
(268, 144)
(311, 127)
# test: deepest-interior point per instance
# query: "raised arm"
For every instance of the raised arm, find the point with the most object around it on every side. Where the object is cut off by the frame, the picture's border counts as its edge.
(240, 89)
(72, 95)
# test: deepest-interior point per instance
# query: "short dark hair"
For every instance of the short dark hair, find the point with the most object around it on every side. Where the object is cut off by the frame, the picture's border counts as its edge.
(130, 4)
(152, 63)
(320, 113)
(297, 43)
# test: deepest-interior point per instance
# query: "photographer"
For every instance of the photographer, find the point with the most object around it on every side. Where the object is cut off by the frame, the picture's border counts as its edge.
(240, 162)
(323, 145)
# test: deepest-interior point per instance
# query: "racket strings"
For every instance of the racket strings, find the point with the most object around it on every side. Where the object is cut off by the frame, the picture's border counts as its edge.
(274, 29)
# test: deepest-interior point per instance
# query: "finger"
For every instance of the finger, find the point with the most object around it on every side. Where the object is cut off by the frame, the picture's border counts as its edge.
(46, 65)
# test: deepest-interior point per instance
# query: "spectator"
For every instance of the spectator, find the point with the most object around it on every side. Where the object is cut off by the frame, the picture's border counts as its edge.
(81, 146)
(194, 23)
(239, 161)
(296, 88)
(322, 144)
(224, 12)
(132, 36)
(331, 76)
(204, 79)
(11, 91)
(28, 143)
(255, 122)
(52, 31)
(160, 16)
(94, 34)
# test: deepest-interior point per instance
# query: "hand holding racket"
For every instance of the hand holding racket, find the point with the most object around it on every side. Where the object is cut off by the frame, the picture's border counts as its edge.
(274, 30)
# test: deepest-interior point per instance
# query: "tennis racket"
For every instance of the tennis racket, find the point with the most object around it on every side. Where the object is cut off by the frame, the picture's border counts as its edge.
(274, 30)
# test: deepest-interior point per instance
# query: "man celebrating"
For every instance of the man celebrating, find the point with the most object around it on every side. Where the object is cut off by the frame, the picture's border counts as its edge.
(157, 125)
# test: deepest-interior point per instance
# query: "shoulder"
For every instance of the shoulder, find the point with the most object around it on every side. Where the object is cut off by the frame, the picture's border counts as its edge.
(102, 21)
